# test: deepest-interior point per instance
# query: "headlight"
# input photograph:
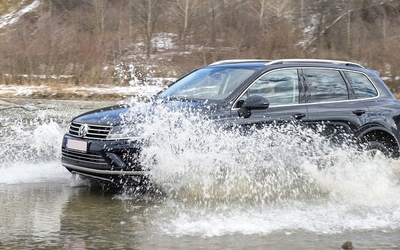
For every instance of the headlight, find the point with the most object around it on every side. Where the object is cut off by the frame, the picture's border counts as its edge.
(123, 132)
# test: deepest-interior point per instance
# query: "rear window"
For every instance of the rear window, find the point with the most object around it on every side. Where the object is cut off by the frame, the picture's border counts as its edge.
(363, 88)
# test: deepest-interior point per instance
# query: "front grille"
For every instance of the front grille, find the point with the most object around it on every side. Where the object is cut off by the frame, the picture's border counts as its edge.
(86, 158)
(99, 132)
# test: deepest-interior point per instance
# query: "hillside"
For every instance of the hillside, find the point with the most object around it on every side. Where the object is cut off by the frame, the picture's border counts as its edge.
(66, 43)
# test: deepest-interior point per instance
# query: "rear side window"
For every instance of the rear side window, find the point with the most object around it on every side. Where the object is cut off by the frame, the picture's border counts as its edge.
(363, 88)
(326, 85)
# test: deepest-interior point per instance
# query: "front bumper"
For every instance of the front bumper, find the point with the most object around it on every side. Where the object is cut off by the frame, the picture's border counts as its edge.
(104, 160)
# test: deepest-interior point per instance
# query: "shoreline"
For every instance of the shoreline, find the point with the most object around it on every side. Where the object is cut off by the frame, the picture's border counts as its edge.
(35, 104)
(95, 93)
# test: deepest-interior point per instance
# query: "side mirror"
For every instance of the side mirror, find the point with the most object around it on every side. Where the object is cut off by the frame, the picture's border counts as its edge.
(253, 102)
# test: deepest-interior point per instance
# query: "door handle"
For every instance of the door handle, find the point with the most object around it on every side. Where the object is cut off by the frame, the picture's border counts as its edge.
(298, 116)
(358, 112)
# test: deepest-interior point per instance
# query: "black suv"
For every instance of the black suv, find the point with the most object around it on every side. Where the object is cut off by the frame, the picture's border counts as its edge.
(344, 98)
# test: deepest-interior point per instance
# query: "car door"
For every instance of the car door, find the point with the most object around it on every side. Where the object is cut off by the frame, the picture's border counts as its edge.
(281, 89)
(332, 106)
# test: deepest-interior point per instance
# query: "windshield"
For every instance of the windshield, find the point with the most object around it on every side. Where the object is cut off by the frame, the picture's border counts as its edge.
(211, 83)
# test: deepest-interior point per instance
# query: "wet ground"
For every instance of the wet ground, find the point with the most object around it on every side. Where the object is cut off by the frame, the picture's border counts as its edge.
(44, 207)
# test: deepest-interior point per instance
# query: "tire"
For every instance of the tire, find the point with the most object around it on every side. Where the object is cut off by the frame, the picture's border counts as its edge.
(376, 148)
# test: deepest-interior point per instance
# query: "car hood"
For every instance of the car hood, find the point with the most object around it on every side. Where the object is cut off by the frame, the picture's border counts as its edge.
(115, 115)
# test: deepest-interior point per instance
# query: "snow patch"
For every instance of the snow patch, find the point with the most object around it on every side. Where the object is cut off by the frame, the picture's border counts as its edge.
(14, 16)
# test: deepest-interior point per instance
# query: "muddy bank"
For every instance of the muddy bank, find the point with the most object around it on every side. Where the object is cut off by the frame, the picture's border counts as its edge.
(32, 104)
(96, 93)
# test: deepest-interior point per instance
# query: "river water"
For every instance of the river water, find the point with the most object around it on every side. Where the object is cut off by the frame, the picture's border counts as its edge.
(218, 193)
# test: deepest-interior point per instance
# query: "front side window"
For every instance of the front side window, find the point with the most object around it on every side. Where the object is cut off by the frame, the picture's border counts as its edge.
(279, 87)
(210, 83)
(362, 86)
(326, 85)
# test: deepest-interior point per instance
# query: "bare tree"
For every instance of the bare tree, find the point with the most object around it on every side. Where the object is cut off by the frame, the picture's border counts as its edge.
(184, 10)
(147, 13)
(258, 10)
(264, 10)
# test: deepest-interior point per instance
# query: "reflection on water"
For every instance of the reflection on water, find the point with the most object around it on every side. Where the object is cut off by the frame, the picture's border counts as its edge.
(30, 211)
(237, 193)
(58, 216)
(54, 215)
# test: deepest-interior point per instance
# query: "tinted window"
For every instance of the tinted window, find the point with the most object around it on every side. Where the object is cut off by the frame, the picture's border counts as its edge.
(326, 85)
(362, 86)
(279, 87)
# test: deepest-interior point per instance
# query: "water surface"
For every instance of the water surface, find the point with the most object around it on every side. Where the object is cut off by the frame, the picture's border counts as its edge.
(220, 190)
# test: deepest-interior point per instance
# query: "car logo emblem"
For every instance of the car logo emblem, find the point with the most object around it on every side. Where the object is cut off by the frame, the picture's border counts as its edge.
(83, 130)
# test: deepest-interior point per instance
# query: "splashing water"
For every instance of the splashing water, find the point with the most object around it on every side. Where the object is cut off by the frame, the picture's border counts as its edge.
(287, 178)
(30, 145)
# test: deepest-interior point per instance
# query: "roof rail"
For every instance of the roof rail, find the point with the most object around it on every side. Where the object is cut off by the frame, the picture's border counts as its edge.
(239, 61)
(281, 61)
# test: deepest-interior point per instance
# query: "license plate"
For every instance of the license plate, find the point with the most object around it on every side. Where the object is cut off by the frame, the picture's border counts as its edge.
(76, 145)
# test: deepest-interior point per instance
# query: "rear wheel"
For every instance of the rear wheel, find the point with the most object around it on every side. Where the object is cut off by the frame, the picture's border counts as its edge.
(377, 148)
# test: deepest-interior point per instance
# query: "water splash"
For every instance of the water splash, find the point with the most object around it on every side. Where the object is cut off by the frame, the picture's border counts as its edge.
(273, 179)
(191, 156)
(30, 140)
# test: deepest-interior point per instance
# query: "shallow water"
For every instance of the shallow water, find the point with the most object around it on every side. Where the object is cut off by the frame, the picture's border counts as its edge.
(233, 194)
